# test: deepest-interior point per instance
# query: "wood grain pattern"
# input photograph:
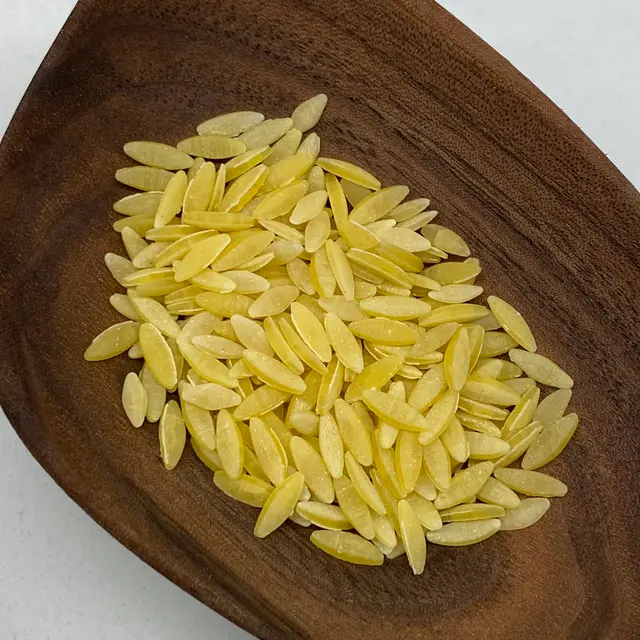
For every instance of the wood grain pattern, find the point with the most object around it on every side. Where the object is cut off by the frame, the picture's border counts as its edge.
(427, 104)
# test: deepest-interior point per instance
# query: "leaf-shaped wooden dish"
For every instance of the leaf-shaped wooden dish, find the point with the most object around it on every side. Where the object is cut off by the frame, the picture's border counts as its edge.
(423, 102)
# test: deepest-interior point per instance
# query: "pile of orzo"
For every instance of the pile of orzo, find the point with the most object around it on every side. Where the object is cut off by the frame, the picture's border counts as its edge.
(319, 339)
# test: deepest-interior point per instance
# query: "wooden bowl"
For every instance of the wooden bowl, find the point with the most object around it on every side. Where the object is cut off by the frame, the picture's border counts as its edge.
(421, 101)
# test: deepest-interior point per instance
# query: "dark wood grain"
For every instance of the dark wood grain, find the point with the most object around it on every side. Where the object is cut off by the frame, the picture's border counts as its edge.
(424, 102)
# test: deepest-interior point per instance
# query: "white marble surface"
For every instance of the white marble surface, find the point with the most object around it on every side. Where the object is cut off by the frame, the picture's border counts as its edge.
(583, 53)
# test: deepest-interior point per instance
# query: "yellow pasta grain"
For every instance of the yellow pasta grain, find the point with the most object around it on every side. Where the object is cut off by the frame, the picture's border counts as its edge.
(384, 331)
(273, 301)
(238, 192)
(349, 172)
(269, 450)
(210, 280)
(219, 188)
(306, 115)
(458, 534)
(395, 307)
(456, 360)
(200, 189)
(550, 442)
(382, 267)
(331, 445)
(279, 505)
(316, 176)
(348, 547)
(242, 163)
(210, 396)
(482, 409)
(551, 408)
(496, 492)
(465, 485)
(158, 356)
(455, 441)
(309, 207)
(373, 376)
(385, 532)
(134, 399)
(425, 511)
(139, 204)
(141, 224)
(341, 269)
(246, 489)
(265, 132)
(354, 433)
(273, 372)
(490, 391)
(172, 435)
(408, 459)
(225, 305)
(496, 343)
(460, 313)
(486, 447)
(354, 507)
(445, 240)
(199, 423)
(152, 311)
(527, 513)
(404, 239)
(541, 369)
(354, 192)
(229, 445)
(482, 425)
(179, 248)
(230, 124)
(522, 414)
(172, 199)
(363, 485)
(413, 537)
(113, 341)
(212, 146)
(285, 147)
(512, 322)
(281, 347)
(346, 310)
(531, 483)
(261, 401)
(437, 464)
(156, 395)
(378, 204)
(331, 387)
(453, 272)
(310, 463)
(299, 346)
(132, 241)
(394, 411)
(471, 512)
(518, 443)
(144, 178)
(311, 331)
(389, 433)
(287, 171)
(119, 267)
(439, 415)
(326, 516)
(310, 146)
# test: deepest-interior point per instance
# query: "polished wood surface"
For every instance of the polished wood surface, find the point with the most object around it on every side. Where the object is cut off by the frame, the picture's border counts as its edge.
(419, 100)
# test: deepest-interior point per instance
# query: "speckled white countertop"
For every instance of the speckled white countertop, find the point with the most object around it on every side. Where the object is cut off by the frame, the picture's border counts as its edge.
(61, 576)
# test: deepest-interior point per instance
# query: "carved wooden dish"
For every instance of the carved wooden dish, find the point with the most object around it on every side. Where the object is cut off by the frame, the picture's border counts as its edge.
(420, 101)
